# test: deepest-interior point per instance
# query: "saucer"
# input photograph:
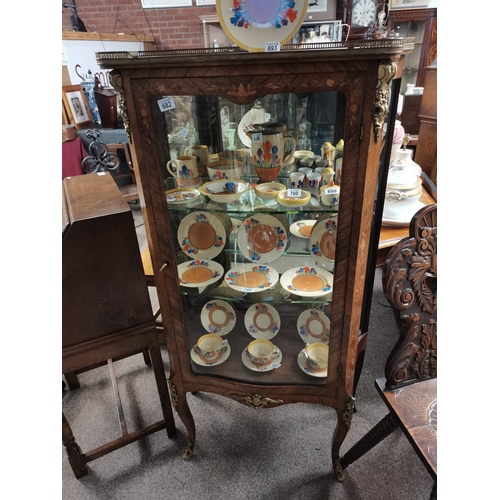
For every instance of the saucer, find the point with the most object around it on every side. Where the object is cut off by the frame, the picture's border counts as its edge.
(302, 362)
(223, 355)
(323, 241)
(274, 363)
(262, 321)
(217, 316)
(314, 326)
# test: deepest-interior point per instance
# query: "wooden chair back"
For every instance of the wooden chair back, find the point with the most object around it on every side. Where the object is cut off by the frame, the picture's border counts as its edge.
(410, 285)
(125, 178)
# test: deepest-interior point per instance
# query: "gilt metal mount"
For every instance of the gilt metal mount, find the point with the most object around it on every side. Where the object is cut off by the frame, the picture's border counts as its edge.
(256, 401)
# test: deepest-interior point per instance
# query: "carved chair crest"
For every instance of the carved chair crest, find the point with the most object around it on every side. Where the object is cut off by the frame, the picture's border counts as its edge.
(410, 285)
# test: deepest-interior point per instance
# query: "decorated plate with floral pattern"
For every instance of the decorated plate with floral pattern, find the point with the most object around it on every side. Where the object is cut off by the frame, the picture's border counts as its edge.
(197, 273)
(307, 281)
(252, 23)
(323, 242)
(251, 278)
(201, 235)
(262, 238)
(313, 325)
(217, 316)
(262, 321)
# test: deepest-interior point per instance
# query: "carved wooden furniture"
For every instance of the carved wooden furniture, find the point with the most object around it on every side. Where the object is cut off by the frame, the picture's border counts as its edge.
(147, 84)
(409, 388)
(106, 309)
(125, 178)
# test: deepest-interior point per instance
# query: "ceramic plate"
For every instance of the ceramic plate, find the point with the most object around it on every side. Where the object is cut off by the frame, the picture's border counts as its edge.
(182, 196)
(217, 316)
(322, 242)
(262, 321)
(314, 326)
(201, 235)
(196, 273)
(235, 225)
(200, 360)
(307, 281)
(405, 219)
(273, 364)
(250, 118)
(302, 362)
(252, 23)
(302, 228)
(262, 238)
(251, 278)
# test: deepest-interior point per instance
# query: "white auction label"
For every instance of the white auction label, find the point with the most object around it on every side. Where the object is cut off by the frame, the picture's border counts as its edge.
(294, 193)
(166, 104)
(184, 133)
(331, 190)
(257, 137)
(272, 47)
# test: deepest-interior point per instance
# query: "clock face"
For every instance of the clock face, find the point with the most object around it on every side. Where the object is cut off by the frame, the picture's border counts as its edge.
(363, 12)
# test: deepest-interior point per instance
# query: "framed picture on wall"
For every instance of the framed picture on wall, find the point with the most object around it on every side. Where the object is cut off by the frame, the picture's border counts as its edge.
(321, 10)
(407, 4)
(205, 2)
(75, 104)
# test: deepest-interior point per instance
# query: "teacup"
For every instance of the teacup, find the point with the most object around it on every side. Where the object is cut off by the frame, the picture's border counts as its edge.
(201, 154)
(317, 356)
(305, 170)
(297, 180)
(330, 195)
(225, 169)
(313, 181)
(262, 351)
(209, 346)
(185, 171)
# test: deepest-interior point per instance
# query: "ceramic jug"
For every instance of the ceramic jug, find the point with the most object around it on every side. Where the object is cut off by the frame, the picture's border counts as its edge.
(269, 151)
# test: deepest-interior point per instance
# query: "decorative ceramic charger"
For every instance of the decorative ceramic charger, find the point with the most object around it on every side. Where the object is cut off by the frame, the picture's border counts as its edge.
(196, 273)
(250, 118)
(405, 218)
(323, 241)
(249, 278)
(302, 228)
(201, 235)
(262, 238)
(200, 360)
(252, 23)
(304, 366)
(262, 321)
(271, 365)
(314, 326)
(217, 316)
(307, 281)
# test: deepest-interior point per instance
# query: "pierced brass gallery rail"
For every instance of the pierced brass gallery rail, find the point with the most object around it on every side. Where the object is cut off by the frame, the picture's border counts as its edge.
(256, 401)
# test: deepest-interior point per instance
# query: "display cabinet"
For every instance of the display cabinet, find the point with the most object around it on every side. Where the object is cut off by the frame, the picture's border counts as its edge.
(239, 266)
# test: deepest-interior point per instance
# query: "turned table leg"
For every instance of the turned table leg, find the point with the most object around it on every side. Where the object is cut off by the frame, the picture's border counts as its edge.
(75, 456)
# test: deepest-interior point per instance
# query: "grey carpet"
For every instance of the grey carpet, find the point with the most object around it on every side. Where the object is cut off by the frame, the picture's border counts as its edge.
(240, 453)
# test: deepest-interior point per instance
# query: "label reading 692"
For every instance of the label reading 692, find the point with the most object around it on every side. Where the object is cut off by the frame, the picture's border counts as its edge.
(166, 104)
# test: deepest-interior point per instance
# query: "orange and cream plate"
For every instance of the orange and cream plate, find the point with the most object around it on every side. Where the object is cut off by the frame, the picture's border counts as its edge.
(302, 228)
(249, 278)
(323, 241)
(217, 316)
(197, 273)
(307, 281)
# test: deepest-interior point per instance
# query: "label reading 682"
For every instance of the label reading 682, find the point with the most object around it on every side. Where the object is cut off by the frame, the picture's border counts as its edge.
(166, 104)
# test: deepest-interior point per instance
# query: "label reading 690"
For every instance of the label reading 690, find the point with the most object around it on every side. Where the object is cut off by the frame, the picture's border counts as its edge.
(166, 104)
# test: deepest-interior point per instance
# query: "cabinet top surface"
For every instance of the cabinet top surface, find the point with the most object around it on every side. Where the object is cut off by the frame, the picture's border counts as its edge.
(358, 49)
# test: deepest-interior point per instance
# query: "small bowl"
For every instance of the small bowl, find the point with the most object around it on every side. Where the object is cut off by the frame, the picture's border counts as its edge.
(269, 190)
(225, 191)
(183, 197)
(286, 201)
(330, 195)
(225, 169)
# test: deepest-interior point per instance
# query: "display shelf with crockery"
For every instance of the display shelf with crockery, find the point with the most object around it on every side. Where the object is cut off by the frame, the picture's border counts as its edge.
(201, 94)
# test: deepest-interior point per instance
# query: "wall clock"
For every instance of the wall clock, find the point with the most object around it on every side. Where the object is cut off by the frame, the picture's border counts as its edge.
(363, 13)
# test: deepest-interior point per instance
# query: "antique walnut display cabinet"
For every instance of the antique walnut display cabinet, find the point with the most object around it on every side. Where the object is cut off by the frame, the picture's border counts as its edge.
(250, 289)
